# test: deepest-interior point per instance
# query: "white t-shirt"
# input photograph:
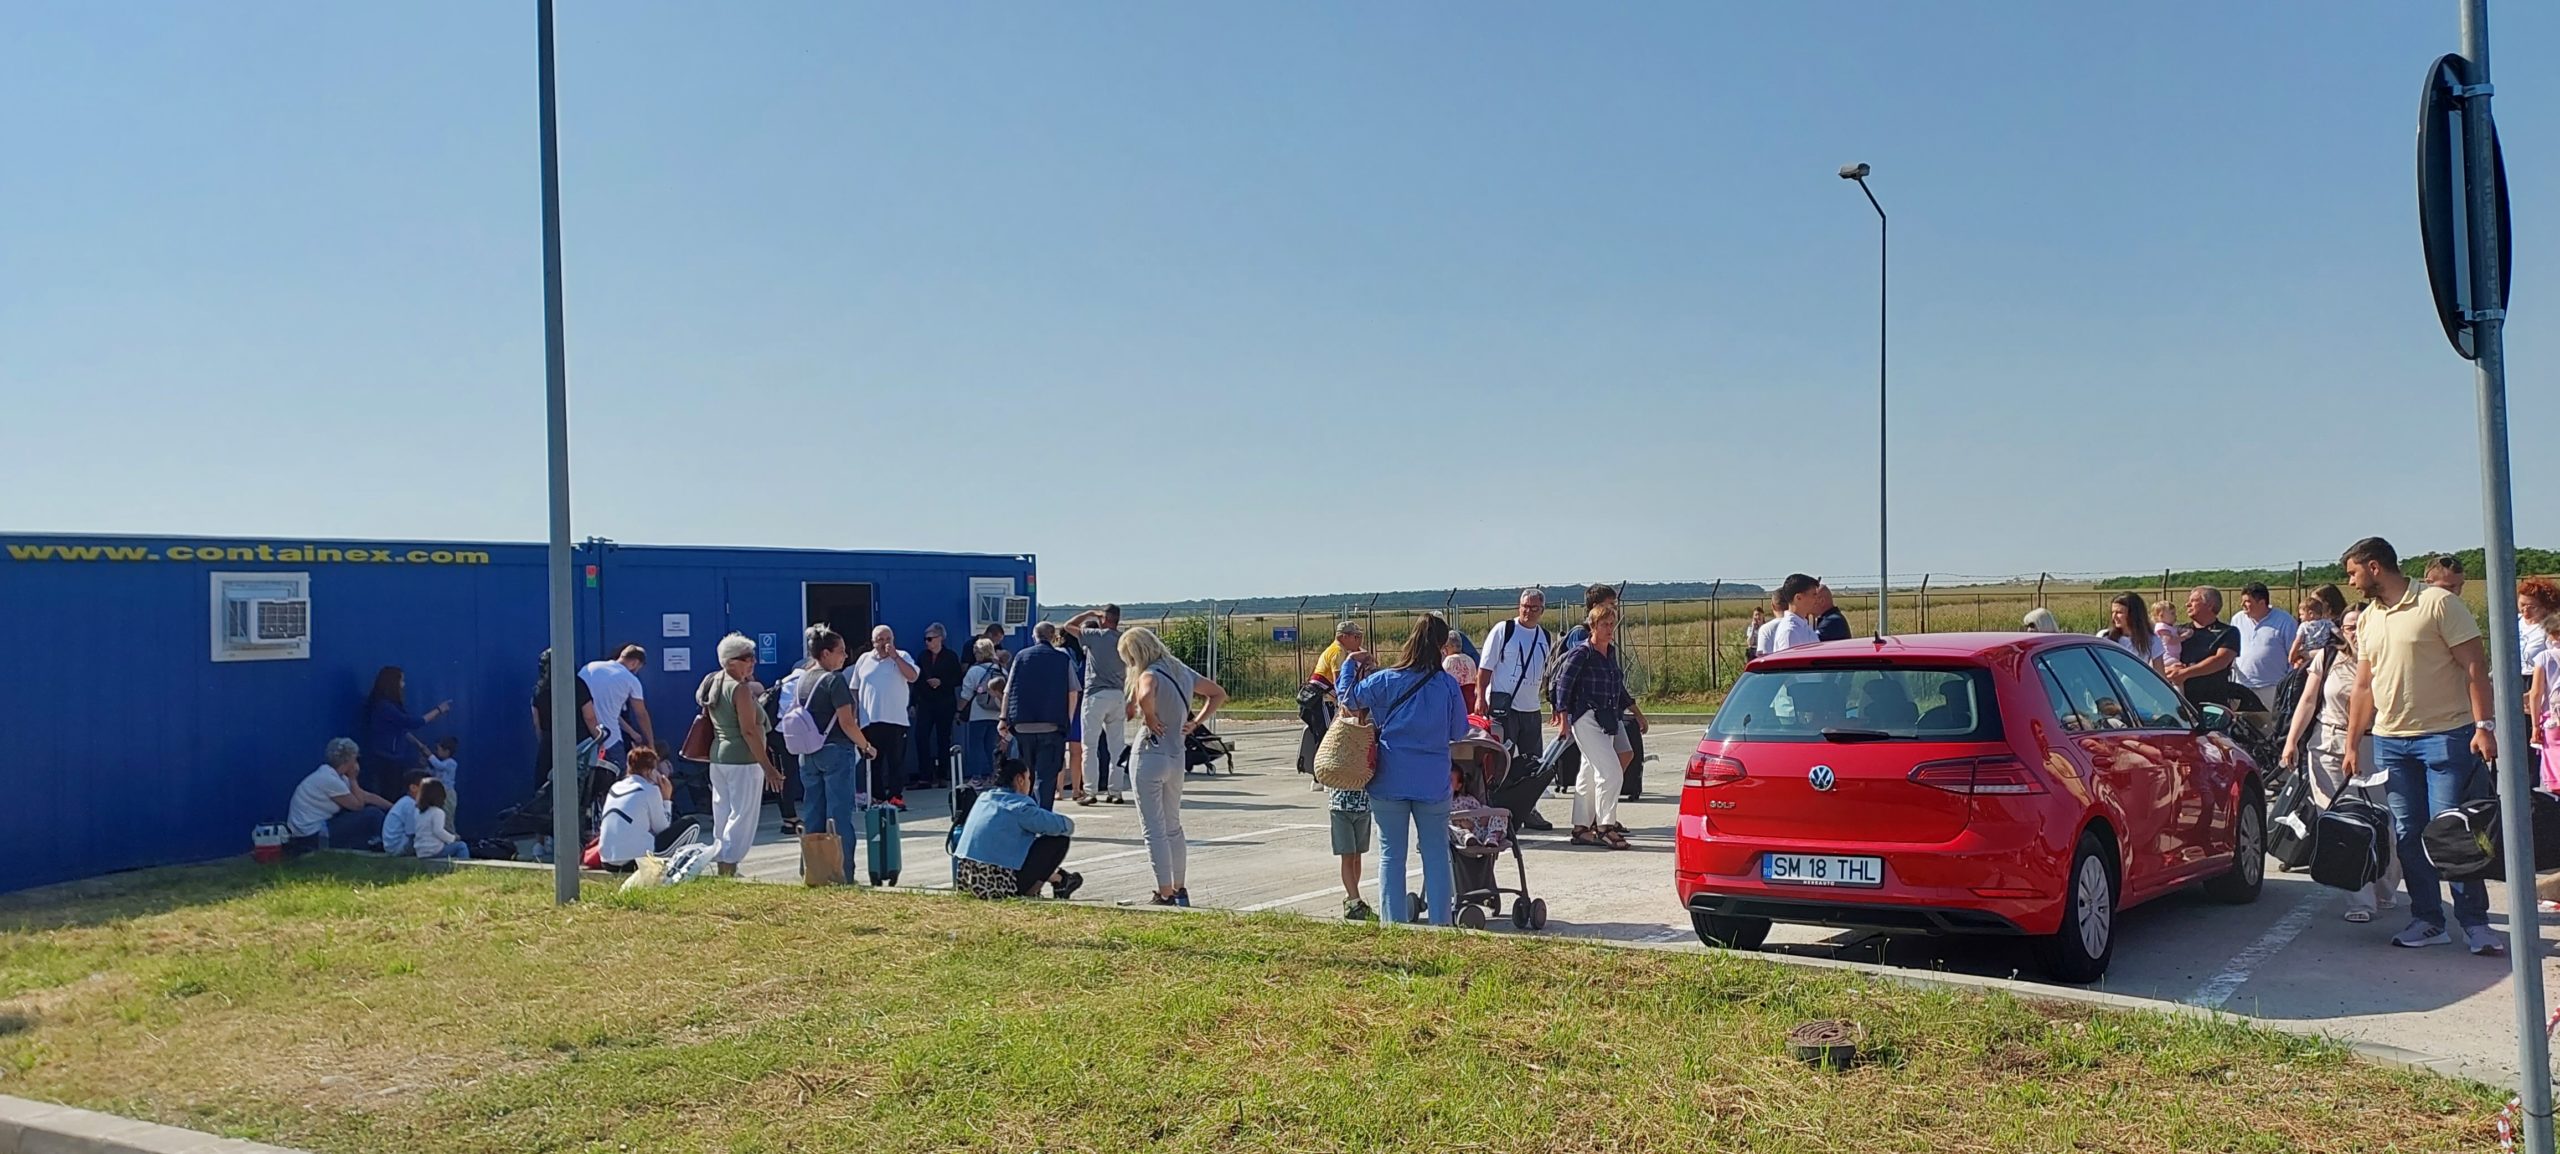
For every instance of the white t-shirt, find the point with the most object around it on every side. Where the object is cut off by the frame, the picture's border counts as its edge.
(2143, 645)
(1787, 631)
(315, 801)
(432, 836)
(1516, 660)
(615, 686)
(400, 826)
(881, 688)
(635, 813)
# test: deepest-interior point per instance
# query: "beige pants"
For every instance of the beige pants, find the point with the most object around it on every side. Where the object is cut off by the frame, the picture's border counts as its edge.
(1595, 793)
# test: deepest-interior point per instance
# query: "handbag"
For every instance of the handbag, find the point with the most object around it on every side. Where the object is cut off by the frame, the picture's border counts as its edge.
(698, 737)
(821, 859)
(1347, 758)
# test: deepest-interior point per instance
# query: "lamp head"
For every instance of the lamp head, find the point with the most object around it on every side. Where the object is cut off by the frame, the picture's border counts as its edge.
(1854, 171)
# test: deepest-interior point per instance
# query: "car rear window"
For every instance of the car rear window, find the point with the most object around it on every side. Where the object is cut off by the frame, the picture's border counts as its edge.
(1874, 703)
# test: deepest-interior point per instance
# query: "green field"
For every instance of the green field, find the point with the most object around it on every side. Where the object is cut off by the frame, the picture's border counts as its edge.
(347, 1004)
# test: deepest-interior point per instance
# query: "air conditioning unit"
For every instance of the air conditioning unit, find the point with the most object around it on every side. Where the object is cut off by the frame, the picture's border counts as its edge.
(277, 621)
(1017, 612)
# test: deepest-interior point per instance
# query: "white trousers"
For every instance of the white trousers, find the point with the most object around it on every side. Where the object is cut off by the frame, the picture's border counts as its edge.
(737, 800)
(1105, 729)
(1595, 792)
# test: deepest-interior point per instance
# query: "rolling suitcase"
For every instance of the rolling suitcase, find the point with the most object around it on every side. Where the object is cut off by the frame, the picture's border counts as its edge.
(880, 829)
(2351, 845)
(2290, 818)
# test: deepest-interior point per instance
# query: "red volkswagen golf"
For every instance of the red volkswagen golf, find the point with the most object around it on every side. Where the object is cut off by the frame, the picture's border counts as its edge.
(1994, 783)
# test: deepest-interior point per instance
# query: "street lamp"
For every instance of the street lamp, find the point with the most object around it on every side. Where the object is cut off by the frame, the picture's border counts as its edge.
(1884, 572)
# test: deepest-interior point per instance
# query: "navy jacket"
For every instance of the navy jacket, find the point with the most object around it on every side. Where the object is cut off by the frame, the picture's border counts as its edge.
(1036, 691)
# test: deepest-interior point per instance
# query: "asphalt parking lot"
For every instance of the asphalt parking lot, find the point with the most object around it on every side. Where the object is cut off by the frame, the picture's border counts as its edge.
(1258, 842)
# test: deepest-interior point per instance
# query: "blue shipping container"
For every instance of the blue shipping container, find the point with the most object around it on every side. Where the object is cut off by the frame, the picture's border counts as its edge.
(164, 695)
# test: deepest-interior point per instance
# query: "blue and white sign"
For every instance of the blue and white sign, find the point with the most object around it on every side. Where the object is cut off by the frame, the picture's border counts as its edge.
(768, 649)
(1284, 633)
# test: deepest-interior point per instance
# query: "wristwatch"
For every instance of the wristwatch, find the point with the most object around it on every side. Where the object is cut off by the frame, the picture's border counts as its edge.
(2485, 726)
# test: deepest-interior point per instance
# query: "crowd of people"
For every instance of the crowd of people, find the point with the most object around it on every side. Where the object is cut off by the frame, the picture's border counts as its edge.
(2396, 699)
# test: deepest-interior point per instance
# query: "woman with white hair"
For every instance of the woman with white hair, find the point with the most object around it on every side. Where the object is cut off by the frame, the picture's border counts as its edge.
(1161, 704)
(726, 695)
(2041, 620)
(327, 792)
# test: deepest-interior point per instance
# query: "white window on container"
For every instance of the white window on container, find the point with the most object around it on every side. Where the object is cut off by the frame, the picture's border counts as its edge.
(989, 600)
(261, 616)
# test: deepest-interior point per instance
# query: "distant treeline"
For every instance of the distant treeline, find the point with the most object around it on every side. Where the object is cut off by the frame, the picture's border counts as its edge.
(2475, 564)
(1322, 604)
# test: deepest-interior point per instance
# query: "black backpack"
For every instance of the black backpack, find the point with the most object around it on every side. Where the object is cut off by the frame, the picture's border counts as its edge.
(2351, 845)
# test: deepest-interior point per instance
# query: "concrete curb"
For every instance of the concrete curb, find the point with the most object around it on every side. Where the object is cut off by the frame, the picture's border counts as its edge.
(30, 1127)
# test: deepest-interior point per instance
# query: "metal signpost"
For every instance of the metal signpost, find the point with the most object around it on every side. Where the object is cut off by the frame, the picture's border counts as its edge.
(2462, 214)
(566, 845)
(1884, 570)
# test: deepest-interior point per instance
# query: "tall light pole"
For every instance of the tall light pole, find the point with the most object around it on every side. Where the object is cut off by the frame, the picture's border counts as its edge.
(565, 793)
(1884, 570)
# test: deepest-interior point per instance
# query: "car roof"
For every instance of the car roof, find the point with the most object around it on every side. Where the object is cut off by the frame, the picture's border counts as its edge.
(1920, 646)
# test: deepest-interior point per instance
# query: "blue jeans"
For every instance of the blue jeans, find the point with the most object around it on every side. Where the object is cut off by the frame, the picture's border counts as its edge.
(1399, 822)
(1046, 754)
(2430, 775)
(828, 779)
(458, 851)
(978, 752)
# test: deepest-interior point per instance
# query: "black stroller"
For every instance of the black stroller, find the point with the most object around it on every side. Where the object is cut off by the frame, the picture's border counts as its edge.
(1204, 749)
(1479, 835)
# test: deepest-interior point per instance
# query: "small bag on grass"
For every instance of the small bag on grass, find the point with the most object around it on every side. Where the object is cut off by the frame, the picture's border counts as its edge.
(821, 859)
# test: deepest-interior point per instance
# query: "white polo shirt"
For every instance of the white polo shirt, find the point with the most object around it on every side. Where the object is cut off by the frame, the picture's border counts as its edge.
(881, 689)
(1785, 632)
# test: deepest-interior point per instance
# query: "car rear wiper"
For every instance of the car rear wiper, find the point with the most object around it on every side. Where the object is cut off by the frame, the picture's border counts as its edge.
(1837, 733)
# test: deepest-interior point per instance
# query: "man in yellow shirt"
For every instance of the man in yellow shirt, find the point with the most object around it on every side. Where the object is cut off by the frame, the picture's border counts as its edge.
(2422, 693)
(1315, 699)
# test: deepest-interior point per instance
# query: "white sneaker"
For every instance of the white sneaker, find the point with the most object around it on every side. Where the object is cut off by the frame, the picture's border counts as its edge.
(2484, 942)
(2419, 935)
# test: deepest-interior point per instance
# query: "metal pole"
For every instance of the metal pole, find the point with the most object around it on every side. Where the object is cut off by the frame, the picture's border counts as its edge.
(2515, 777)
(1297, 639)
(1715, 593)
(565, 794)
(1884, 570)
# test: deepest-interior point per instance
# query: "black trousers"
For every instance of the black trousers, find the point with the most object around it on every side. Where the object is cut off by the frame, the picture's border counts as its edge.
(1046, 855)
(933, 744)
(889, 770)
(1316, 716)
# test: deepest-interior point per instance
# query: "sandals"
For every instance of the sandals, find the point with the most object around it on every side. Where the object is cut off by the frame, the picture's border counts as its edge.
(1615, 836)
(2359, 916)
(792, 828)
(1590, 836)
(1084, 798)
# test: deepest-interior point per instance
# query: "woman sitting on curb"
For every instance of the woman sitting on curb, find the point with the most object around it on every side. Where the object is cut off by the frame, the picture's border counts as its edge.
(1010, 845)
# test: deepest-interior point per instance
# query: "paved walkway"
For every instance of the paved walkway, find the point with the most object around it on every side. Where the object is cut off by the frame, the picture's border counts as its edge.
(1258, 842)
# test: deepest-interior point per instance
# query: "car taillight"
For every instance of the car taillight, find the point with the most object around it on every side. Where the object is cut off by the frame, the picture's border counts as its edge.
(1706, 769)
(1978, 776)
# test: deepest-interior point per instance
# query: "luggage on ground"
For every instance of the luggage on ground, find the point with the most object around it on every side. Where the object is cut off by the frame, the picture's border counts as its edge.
(2466, 843)
(880, 828)
(2351, 844)
(822, 858)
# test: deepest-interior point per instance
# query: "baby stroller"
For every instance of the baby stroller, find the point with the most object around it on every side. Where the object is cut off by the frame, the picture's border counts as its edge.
(1483, 816)
(1204, 749)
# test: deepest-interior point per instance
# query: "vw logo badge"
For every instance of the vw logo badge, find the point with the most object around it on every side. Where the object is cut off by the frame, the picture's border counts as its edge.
(1821, 778)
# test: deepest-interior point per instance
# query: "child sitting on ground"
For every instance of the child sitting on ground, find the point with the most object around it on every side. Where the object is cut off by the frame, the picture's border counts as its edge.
(435, 838)
(400, 826)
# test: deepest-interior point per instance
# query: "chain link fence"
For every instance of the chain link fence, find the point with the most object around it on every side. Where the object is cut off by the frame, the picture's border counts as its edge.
(1691, 649)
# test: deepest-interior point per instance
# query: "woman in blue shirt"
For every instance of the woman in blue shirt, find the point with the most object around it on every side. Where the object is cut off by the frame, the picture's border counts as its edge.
(387, 726)
(1418, 711)
(1009, 845)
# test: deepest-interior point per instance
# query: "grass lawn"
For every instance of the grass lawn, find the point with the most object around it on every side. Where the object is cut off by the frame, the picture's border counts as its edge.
(347, 1004)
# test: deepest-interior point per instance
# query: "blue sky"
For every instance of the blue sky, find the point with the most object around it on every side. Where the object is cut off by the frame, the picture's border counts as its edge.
(1216, 300)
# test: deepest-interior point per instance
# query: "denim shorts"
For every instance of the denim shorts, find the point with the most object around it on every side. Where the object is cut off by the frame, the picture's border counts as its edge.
(1351, 829)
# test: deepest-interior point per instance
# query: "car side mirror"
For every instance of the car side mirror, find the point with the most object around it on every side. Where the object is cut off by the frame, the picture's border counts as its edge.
(2212, 719)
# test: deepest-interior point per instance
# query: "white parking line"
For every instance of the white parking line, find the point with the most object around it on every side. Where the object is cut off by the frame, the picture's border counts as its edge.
(1247, 835)
(2237, 971)
(1365, 883)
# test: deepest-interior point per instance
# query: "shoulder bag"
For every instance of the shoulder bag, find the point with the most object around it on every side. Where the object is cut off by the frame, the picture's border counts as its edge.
(1347, 758)
(698, 738)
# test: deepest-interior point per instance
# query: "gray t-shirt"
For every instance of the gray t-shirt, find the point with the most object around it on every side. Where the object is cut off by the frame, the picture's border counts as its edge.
(1173, 705)
(1103, 669)
(824, 692)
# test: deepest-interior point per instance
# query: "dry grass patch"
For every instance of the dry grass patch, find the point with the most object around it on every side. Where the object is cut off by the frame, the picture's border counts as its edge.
(345, 1004)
